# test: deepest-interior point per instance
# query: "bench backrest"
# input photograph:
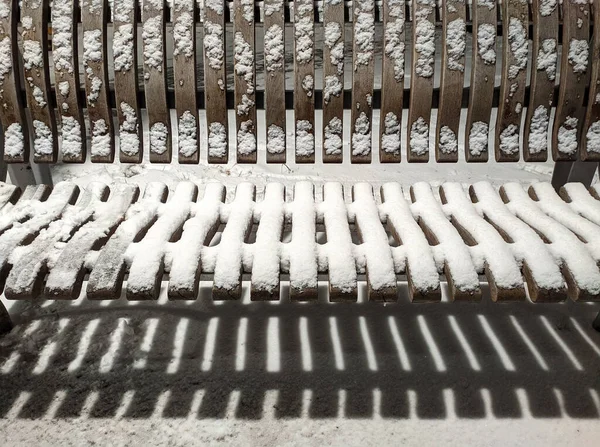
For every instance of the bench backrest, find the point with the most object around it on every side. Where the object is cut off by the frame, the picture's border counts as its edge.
(526, 76)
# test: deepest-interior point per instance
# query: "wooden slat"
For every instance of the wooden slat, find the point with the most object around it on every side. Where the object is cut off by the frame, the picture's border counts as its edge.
(574, 76)
(215, 86)
(34, 20)
(421, 80)
(392, 81)
(274, 45)
(184, 74)
(12, 111)
(304, 74)
(543, 77)
(590, 141)
(125, 24)
(66, 80)
(94, 16)
(363, 72)
(244, 80)
(454, 15)
(515, 18)
(483, 73)
(155, 81)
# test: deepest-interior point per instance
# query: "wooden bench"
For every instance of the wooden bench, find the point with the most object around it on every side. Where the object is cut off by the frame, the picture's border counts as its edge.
(61, 103)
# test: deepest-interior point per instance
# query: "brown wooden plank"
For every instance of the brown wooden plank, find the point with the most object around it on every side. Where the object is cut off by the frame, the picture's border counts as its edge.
(215, 86)
(304, 75)
(15, 131)
(515, 20)
(274, 51)
(125, 24)
(574, 76)
(421, 80)
(34, 21)
(590, 143)
(155, 81)
(454, 32)
(244, 80)
(65, 54)
(184, 73)
(363, 77)
(483, 72)
(94, 16)
(392, 81)
(543, 77)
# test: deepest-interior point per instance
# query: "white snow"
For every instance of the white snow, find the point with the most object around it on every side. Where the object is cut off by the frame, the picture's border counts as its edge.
(308, 85)
(361, 137)
(38, 95)
(5, 59)
(248, 10)
(394, 45)
(364, 32)
(216, 5)
(448, 143)
(425, 47)
(187, 134)
(332, 39)
(121, 10)
(92, 46)
(32, 54)
(246, 140)
(547, 7)
(272, 7)
(274, 49)
(182, 35)
(43, 139)
(245, 106)
(158, 138)
(333, 137)
(213, 44)
(275, 139)
(100, 139)
(509, 140)
(305, 139)
(593, 137)
(332, 33)
(129, 141)
(94, 88)
(217, 140)
(578, 55)
(538, 130)
(333, 87)
(27, 22)
(547, 57)
(71, 143)
(123, 48)
(62, 26)
(456, 43)
(478, 138)
(517, 38)
(390, 140)
(14, 141)
(244, 62)
(419, 137)
(63, 88)
(153, 44)
(567, 136)
(486, 43)
(304, 32)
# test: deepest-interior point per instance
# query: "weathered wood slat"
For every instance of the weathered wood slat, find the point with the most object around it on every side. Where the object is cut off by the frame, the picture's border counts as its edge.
(574, 77)
(454, 32)
(515, 15)
(590, 141)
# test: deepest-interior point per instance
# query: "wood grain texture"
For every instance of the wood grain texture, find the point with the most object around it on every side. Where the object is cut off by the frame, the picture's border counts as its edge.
(574, 76)
(12, 110)
(515, 15)
(590, 141)
(34, 19)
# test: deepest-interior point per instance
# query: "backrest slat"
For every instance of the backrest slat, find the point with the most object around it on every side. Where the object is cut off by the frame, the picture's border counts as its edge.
(155, 81)
(73, 145)
(304, 77)
(94, 16)
(574, 78)
(184, 74)
(363, 77)
(454, 36)
(392, 81)
(543, 78)
(215, 83)
(125, 23)
(483, 74)
(34, 19)
(590, 141)
(333, 82)
(274, 26)
(12, 111)
(421, 81)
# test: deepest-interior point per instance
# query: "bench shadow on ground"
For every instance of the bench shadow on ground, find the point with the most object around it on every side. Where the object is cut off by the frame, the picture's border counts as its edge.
(288, 360)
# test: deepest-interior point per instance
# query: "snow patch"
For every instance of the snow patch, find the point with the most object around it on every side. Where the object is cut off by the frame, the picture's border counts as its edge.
(567, 136)
(92, 46)
(478, 138)
(122, 9)
(5, 58)
(593, 137)
(538, 130)
(123, 48)
(333, 87)
(62, 35)
(213, 44)
(71, 137)
(579, 55)
(245, 106)
(217, 140)
(425, 48)
(216, 5)
(246, 140)
(43, 142)
(244, 62)
(14, 141)
(248, 10)
(158, 138)
(547, 7)
(187, 134)
(333, 34)
(486, 43)
(547, 57)
(32, 54)
(394, 42)
(419, 137)
(182, 36)
(100, 139)
(364, 32)
(456, 36)
(333, 137)
(390, 140)
(308, 84)
(274, 49)
(275, 139)
(361, 138)
(509, 140)
(153, 44)
(129, 142)
(517, 38)
(304, 32)
(64, 88)
(448, 143)
(305, 139)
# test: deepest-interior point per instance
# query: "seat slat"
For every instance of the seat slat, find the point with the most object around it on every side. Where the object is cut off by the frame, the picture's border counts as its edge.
(125, 44)
(155, 80)
(304, 76)
(8, 196)
(574, 77)
(245, 81)
(65, 53)
(363, 78)
(590, 141)
(34, 21)
(581, 201)
(333, 82)
(274, 25)
(421, 80)
(515, 14)
(454, 32)
(12, 113)
(483, 74)
(543, 77)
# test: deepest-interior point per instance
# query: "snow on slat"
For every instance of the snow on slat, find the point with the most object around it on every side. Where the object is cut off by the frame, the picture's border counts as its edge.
(148, 256)
(266, 251)
(381, 275)
(302, 249)
(8, 194)
(24, 208)
(228, 263)
(339, 247)
(106, 278)
(540, 269)
(590, 141)
(421, 269)
(34, 21)
(65, 279)
(32, 262)
(551, 204)
(184, 275)
(581, 201)
(449, 248)
(579, 268)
